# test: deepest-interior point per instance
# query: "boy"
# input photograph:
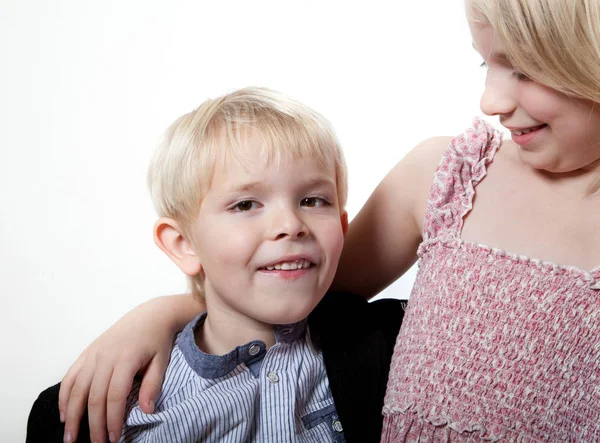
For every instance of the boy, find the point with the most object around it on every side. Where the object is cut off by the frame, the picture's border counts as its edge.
(251, 189)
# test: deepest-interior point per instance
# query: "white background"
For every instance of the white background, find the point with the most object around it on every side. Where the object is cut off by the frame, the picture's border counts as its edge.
(86, 88)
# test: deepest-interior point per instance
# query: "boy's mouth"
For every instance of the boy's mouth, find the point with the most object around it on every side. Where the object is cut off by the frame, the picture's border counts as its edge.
(288, 265)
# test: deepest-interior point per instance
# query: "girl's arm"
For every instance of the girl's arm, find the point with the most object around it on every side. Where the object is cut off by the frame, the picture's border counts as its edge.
(102, 376)
(383, 238)
(380, 246)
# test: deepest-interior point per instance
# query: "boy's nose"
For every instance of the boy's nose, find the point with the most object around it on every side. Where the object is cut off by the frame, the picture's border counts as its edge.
(288, 223)
(497, 97)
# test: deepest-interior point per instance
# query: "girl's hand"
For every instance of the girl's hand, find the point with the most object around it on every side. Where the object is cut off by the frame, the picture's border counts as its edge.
(102, 376)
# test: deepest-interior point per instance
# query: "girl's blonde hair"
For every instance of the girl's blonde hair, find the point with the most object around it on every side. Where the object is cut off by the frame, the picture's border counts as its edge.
(554, 42)
(181, 171)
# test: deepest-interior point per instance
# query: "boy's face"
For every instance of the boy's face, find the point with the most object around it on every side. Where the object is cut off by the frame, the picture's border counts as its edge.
(269, 239)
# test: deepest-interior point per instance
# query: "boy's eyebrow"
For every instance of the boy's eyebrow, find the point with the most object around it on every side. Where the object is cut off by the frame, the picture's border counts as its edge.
(245, 187)
(311, 183)
(320, 181)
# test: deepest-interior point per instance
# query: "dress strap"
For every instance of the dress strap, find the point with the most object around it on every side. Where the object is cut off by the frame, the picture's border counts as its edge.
(461, 168)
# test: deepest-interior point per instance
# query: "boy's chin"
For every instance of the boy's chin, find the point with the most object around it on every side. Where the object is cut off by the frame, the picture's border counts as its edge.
(289, 314)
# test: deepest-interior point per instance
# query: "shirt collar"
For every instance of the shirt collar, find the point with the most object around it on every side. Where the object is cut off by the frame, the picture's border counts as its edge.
(215, 366)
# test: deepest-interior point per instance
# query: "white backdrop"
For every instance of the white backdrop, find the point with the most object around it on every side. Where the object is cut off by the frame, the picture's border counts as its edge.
(87, 87)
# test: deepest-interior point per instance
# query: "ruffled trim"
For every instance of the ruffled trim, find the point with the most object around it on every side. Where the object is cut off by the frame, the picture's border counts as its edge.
(462, 167)
(586, 279)
(411, 426)
(595, 273)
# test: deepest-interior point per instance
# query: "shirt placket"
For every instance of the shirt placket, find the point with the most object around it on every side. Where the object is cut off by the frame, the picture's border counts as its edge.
(277, 400)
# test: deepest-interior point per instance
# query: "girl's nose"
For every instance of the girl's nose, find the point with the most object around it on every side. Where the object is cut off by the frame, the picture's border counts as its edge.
(498, 96)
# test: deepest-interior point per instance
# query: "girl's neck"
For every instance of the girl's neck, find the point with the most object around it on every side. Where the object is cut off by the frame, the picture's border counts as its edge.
(581, 183)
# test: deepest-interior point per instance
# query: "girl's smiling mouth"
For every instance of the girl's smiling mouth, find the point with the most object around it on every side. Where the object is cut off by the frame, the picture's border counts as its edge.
(524, 136)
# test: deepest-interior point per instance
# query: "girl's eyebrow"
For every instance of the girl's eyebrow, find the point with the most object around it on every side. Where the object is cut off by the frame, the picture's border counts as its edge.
(500, 56)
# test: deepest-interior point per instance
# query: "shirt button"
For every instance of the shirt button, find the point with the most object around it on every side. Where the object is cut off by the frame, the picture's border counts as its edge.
(273, 377)
(254, 349)
(337, 426)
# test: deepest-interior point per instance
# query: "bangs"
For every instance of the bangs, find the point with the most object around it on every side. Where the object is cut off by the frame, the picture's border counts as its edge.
(278, 138)
(275, 137)
(240, 126)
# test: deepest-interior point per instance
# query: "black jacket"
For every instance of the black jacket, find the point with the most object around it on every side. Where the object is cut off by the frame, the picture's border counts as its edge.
(357, 339)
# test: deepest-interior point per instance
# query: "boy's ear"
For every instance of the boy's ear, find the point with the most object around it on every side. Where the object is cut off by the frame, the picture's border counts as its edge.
(169, 238)
(344, 221)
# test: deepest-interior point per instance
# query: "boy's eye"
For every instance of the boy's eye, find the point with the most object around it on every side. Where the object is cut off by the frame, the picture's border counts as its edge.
(314, 202)
(244, 205)
(483, 65)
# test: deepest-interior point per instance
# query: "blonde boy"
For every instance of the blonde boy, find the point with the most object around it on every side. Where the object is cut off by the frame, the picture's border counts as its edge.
(250, 189)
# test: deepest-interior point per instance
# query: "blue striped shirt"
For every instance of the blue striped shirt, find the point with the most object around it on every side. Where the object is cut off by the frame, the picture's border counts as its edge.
(251, 394)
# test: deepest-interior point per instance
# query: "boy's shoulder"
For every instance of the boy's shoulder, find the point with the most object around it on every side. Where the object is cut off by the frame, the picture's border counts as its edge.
(347, 316)
(357, 338)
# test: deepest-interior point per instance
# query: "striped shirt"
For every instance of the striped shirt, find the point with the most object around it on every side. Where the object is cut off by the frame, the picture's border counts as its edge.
(249, 395)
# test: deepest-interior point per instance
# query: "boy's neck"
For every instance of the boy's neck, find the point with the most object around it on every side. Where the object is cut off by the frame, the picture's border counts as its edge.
(221, 333)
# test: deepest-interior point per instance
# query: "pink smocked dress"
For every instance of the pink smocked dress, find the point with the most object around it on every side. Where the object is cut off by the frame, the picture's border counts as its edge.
(494, 346)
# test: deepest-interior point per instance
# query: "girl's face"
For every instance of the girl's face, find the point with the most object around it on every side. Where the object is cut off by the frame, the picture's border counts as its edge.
(555, 133)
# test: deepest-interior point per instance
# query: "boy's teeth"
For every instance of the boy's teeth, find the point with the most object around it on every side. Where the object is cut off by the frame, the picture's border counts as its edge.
(289, 266)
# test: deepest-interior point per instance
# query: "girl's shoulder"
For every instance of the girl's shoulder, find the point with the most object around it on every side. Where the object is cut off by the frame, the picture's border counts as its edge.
(468, 152)
(473, 148)
(478, 142)
(408, 183)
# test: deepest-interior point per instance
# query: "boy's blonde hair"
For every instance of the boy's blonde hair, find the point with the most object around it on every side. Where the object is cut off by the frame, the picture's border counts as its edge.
(181, 171)
(554, 42)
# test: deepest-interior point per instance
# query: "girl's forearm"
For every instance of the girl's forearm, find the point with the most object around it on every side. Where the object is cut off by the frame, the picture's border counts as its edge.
(178, 310)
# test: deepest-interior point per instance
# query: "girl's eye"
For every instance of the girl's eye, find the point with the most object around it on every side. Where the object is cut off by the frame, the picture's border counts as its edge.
(515, 74)
(244, 206)
(314, 202)
(520, 76)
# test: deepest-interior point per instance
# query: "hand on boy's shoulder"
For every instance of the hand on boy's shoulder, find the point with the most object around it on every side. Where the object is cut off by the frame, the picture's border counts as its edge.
(43, 424)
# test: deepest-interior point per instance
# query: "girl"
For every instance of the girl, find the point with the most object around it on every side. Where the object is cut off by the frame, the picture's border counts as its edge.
(500, 336)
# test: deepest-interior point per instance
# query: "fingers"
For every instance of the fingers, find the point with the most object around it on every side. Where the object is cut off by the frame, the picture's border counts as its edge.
(103, 387)
(97, 401)
(118, 390)
(77, 401)
(66, 385)
(152, 382)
